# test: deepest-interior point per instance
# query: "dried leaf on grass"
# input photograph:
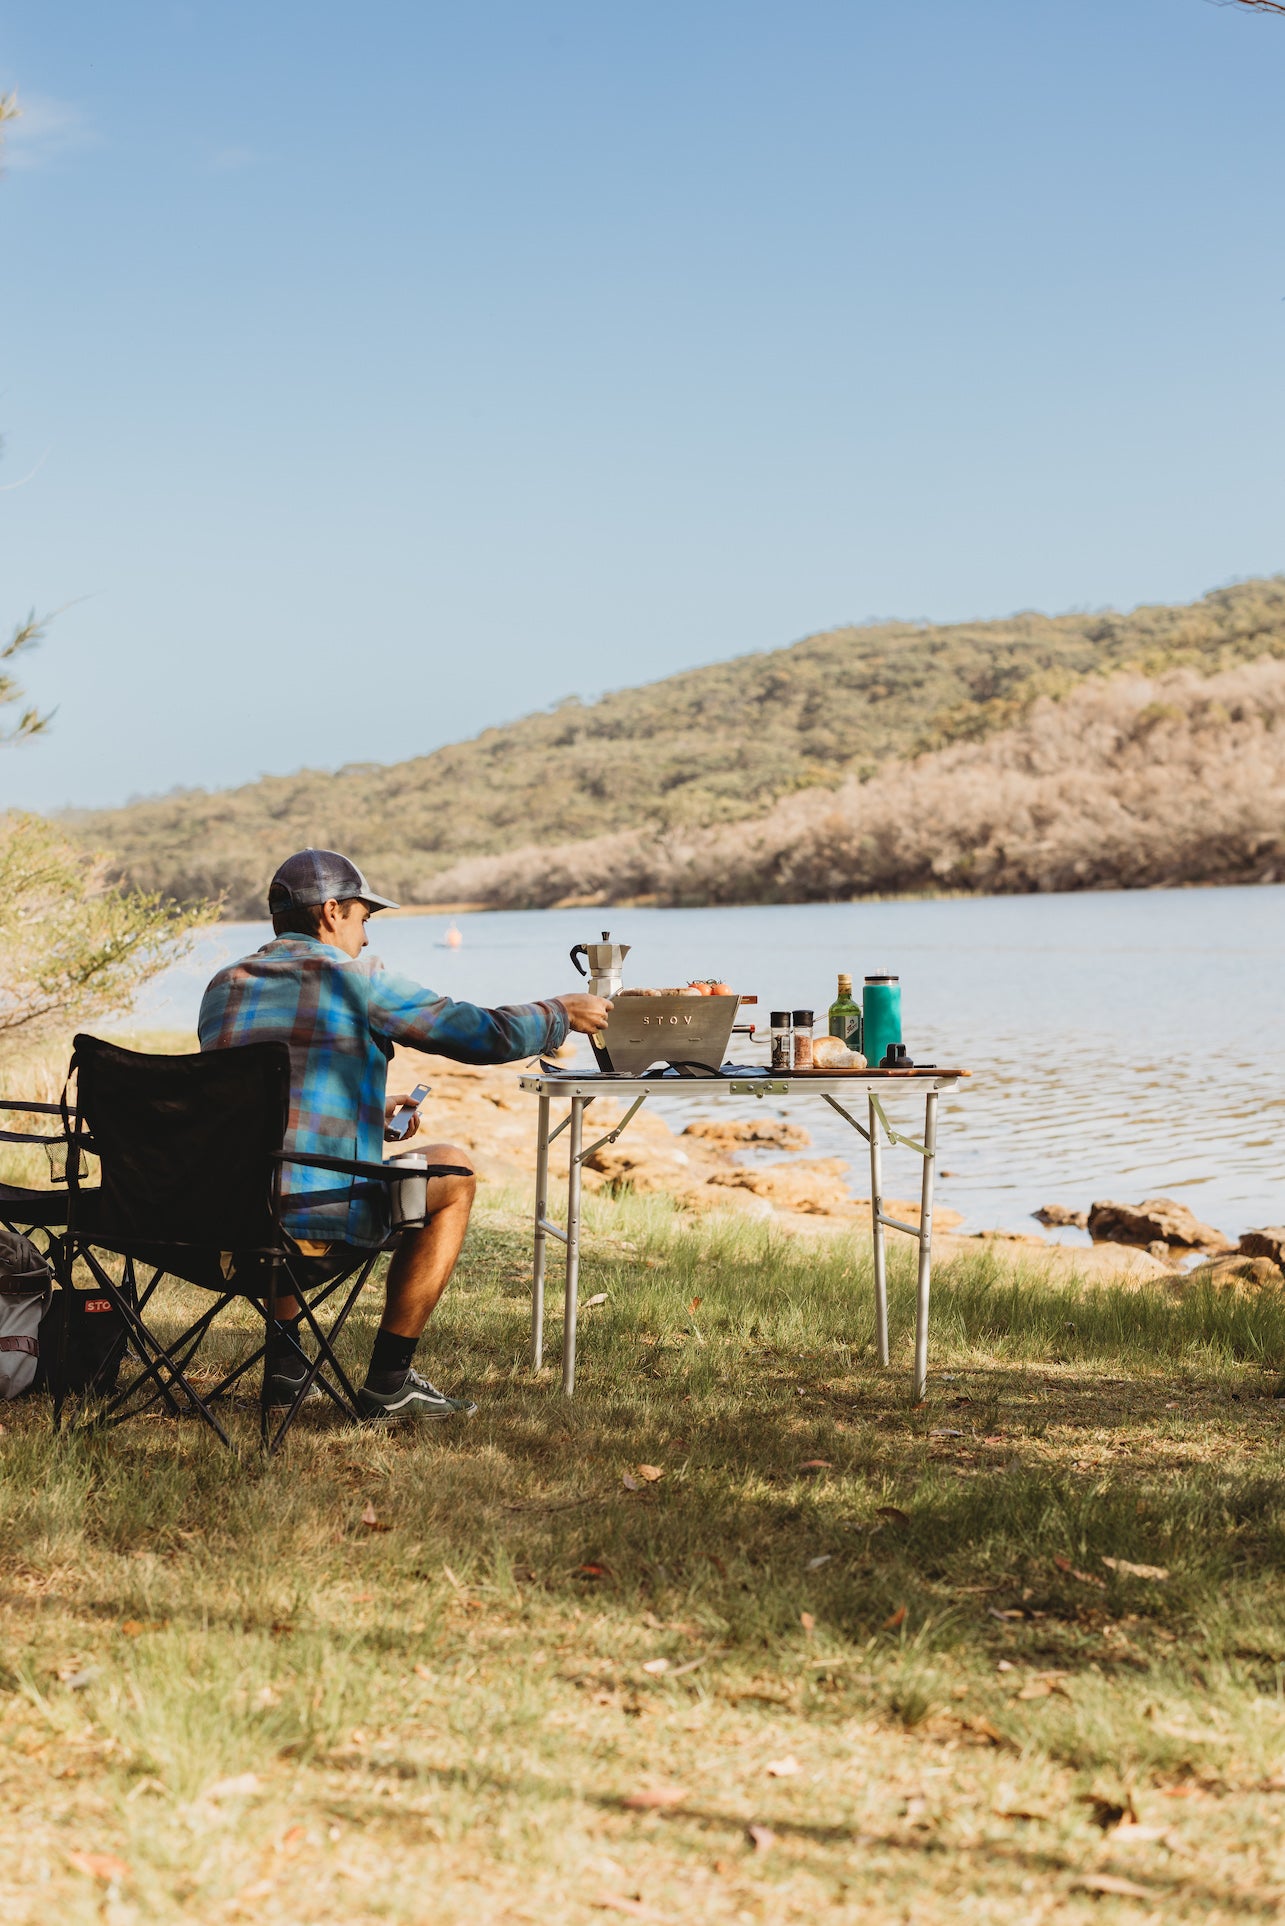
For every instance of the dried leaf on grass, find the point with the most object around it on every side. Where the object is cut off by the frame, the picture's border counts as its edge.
(240, 1786)
(654, 1798)
(1112, 1883)
(823, 1558)
(696, 1304)
(651, 1473)
(895, 1619)
(984, 1729)
(691, 1665)
(816, 1464)
(140, 1786)
(762, 1838)
(100, 1865)
(1127, 1569)
(892, 1514)
(656, 1666)
(371, 1519)
(785, 1768)
(591, 1303)
(808, 1621)
(1043, 1685)
(1109, 1813)
(1065, 1566)
(629, 1482)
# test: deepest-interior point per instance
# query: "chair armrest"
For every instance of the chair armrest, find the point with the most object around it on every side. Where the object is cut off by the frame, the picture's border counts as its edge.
(352, 1167)
(29, 1107)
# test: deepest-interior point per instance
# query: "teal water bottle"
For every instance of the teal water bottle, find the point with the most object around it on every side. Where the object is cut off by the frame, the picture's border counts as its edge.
(881, 1017)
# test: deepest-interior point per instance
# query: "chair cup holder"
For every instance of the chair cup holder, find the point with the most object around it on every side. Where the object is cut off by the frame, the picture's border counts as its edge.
(408, 1196)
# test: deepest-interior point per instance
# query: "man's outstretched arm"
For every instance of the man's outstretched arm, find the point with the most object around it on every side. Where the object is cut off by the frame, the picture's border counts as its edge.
(471, 1033)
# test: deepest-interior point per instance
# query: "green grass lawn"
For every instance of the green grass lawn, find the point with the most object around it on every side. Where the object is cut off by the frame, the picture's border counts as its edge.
(842, 1659)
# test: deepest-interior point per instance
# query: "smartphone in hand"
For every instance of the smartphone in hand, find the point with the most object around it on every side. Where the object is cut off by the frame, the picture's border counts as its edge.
(404, 1118)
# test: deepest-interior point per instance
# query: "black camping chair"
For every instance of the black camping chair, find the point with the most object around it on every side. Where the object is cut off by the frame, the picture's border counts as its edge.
(190, 1153)
(42, 1212)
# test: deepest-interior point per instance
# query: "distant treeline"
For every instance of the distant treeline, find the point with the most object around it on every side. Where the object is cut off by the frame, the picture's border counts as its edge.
(1034, 753)
(1123, 784)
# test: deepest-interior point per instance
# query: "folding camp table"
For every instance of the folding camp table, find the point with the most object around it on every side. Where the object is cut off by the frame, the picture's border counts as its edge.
(839, 1091)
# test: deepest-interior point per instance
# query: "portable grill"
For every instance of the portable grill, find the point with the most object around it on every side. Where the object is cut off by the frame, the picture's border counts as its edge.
(643, 1030)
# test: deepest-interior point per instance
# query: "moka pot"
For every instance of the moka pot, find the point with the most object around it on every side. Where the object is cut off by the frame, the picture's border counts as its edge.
(606, 964)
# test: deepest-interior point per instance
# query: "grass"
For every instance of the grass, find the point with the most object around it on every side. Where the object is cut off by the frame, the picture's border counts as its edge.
(909, 1666)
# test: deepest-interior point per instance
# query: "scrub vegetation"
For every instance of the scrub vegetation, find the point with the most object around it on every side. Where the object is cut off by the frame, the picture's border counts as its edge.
(787, 754)
(74, 944)
(736, 1635)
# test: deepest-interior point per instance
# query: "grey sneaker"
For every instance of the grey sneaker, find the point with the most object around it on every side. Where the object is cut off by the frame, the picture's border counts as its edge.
(285, 1381)
(416, 1401)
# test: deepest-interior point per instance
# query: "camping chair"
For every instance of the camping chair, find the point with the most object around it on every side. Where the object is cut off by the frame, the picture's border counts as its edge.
(190, 1153)
(38, 1211)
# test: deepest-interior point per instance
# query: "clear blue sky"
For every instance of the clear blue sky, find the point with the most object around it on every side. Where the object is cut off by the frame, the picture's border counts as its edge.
(372, 374)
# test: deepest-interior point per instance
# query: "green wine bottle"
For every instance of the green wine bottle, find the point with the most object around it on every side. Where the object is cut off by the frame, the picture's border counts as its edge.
(845, 1015)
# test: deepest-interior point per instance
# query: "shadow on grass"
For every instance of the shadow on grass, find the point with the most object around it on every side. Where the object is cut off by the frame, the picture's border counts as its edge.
(795, 1479)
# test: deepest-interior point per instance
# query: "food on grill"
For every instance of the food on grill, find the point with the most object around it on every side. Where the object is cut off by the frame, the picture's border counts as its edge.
(684, 989)
(688, 989)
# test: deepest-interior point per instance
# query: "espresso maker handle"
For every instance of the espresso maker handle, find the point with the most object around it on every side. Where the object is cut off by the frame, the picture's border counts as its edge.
(578, 951)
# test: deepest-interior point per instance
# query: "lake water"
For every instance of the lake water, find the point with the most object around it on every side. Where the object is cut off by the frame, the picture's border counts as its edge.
(1122, 1045)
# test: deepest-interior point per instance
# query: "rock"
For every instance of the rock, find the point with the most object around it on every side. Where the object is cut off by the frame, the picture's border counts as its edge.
(1265, 1243)
(1242, 1276)
(1157, 1220)
(816, 1189)
(642, 1167)
(725, 1134)
(1056, 1214)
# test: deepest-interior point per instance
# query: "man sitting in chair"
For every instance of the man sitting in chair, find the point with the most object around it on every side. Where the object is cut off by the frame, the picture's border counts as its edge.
(311, 988)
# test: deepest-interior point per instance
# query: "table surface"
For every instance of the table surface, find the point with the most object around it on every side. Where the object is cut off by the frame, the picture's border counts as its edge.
(860, 1083)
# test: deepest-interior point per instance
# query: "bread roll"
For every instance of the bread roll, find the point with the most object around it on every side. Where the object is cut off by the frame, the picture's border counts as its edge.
(832, 1053)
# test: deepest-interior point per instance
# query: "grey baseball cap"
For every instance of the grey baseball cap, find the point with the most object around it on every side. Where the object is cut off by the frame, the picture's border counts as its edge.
(313, 876)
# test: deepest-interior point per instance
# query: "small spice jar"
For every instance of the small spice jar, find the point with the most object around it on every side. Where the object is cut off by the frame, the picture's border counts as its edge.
(803, 1021)
(782, 1047)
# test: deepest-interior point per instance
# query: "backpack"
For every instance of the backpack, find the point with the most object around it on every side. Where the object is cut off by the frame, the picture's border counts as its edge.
(26, 1288)
(82, 1341)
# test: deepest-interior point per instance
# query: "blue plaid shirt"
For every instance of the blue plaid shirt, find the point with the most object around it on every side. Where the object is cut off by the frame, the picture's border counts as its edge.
(341, 1017)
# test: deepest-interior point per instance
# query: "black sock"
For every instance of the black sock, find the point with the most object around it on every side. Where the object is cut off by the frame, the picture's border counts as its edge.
(283, 1335)
(390, 1360)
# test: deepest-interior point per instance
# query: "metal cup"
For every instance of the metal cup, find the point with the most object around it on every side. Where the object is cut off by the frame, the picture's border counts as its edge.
(408, 1197)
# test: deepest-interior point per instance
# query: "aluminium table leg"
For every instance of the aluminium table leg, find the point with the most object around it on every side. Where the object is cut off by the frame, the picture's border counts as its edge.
(541, 1238)
(925, 1247)
(573, 1249)
(880, 1250)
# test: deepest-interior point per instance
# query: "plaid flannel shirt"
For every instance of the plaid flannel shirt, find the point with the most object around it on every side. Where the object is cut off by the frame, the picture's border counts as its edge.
(341, 1017)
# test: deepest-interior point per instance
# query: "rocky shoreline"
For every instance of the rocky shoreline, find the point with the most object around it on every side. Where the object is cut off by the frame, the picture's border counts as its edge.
(708, 1165)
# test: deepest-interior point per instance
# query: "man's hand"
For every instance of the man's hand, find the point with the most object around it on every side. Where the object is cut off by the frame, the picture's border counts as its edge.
(588, 1014)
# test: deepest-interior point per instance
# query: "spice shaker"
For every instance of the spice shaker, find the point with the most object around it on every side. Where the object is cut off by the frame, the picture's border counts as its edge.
(782, 1048)
(803, 1020)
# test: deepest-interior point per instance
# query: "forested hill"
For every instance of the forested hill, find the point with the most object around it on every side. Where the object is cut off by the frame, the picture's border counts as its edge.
(710, 746)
